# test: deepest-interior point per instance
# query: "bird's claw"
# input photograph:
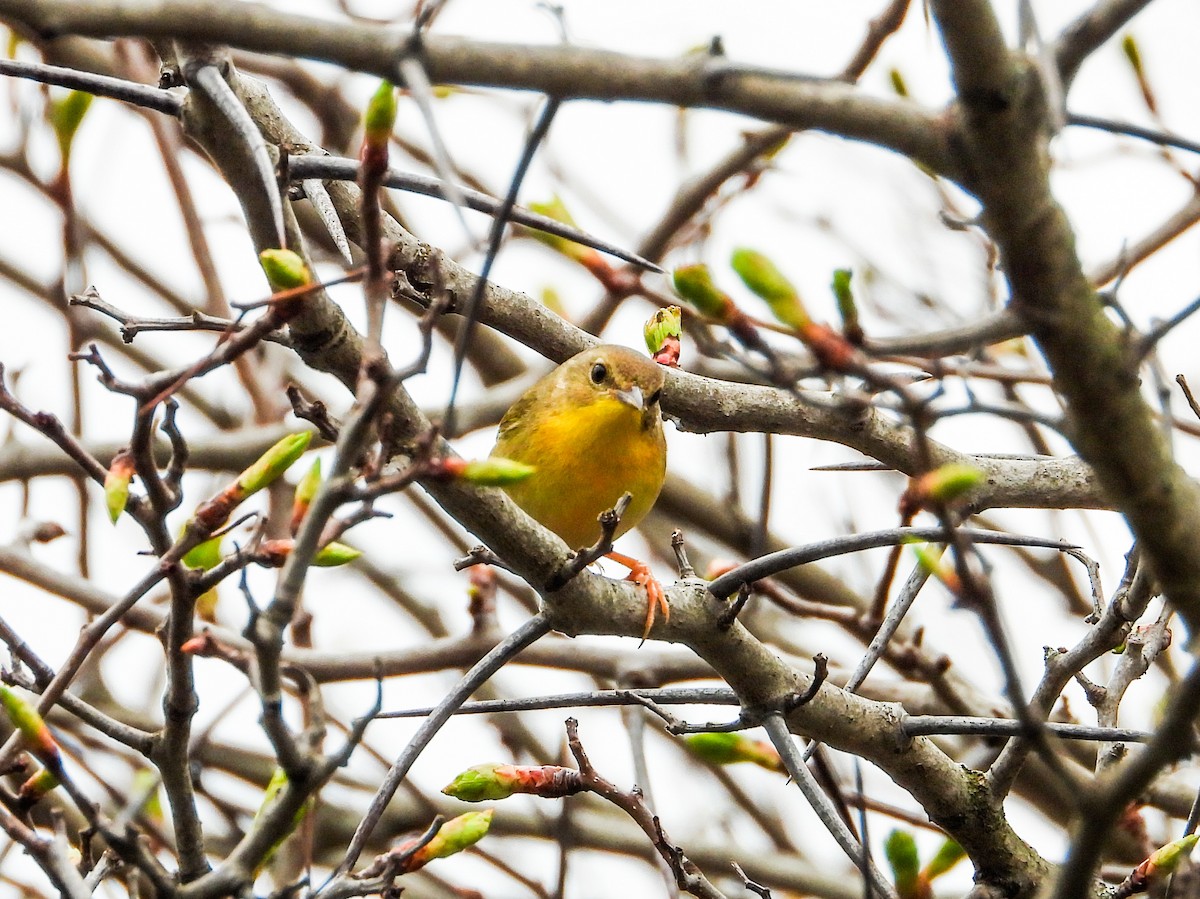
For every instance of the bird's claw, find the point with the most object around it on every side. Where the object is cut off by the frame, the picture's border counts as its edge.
(656, 597)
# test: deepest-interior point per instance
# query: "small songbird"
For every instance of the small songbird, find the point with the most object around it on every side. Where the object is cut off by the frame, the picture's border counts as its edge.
(592, 429)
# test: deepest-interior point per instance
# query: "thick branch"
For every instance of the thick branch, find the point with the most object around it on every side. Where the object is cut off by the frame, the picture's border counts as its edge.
(565, 72)
(1004, 146)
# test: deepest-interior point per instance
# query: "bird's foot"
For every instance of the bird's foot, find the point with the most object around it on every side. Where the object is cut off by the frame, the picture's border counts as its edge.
(656, 596)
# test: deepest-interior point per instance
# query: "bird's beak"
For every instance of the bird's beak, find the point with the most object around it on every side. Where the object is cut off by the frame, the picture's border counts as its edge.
(631, 397)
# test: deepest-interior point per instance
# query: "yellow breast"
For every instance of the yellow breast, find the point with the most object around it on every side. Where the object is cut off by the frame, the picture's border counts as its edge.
(586, 457)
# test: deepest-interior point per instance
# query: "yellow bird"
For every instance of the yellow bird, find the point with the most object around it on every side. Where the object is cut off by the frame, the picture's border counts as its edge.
(593, 430)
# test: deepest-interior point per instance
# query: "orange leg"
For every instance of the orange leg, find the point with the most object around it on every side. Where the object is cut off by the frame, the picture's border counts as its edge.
(656, 597)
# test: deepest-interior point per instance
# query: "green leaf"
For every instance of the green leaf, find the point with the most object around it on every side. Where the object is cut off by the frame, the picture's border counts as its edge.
(901, 851)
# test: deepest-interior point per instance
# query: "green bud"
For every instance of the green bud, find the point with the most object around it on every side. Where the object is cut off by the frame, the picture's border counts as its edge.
(305, 491)
(66, 115)
(457, 834)
(273, 463)
(1129, 46)
(665, 323)
(762, 277)
(695, 284)
(948, 855)
(334, 554)
(898, 83)
(284, 269)
(202, 557)
(714, 748)
(951, 481)
(730, 748)
(275, 786)
(847, 307)
(29, 723)
(145, 783)
(205, 555)
(556, 209)
(901, 851)
(380, 116)
(930, 559)
(496, 472)
(307, 488)
(480, 783)
(41, 783)
(1168, 858)
(553, 301)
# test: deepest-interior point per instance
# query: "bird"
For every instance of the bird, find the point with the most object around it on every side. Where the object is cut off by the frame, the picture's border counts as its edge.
(592, 430)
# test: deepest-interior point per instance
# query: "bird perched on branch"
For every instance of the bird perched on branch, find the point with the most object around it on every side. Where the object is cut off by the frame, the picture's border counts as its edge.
(592, 429)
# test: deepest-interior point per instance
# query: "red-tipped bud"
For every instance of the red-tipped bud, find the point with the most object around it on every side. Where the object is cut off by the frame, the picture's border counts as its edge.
(199, 645)
(455, 835)
(271, 465)
(493, 781)
(267, 469)
(37, 786)
(116, 484)
(492, 472)
(662, 332)
(1161, 863)
(481, 593)
(33, 729)
(305, 491)
(944, 484)
(930, 559)
(274, 553)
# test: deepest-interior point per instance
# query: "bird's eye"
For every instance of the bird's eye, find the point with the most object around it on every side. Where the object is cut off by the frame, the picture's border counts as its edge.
(654, 397)
(599, 373)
